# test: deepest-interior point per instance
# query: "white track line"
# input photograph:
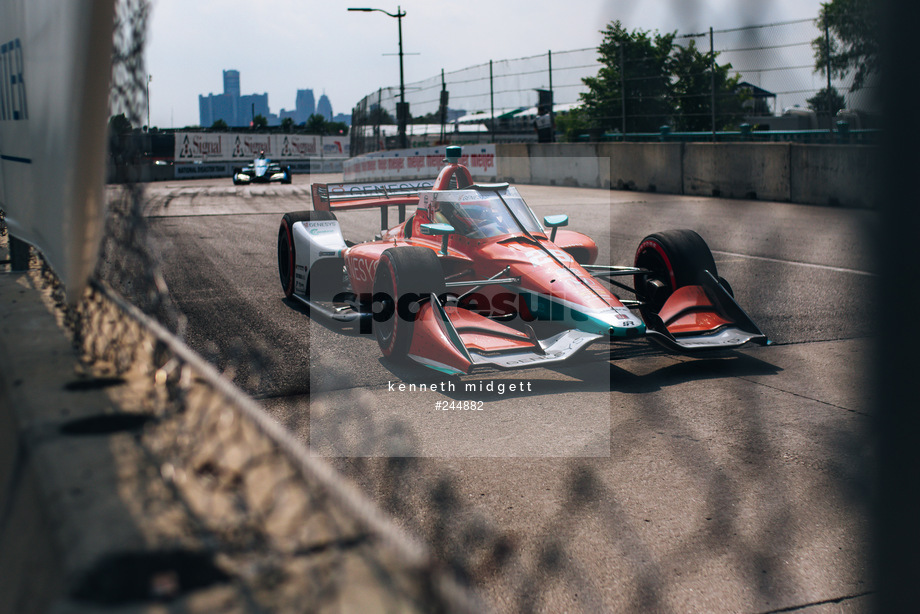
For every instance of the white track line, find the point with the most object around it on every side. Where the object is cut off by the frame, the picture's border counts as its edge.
(805, 264)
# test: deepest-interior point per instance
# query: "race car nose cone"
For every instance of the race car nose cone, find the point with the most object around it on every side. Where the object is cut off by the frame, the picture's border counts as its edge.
(621, 322)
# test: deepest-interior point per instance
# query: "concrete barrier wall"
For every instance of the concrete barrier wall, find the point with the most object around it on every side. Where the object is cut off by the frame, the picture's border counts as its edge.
(836, 175)
(648, 167)
(737, 170)
(568, 164)
(512, 162)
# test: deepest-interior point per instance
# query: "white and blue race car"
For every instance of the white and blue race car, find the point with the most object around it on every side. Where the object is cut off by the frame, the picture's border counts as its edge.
(262, 170)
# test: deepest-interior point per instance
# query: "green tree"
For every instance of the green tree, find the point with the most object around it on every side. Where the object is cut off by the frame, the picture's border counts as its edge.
(120, 124)
(287, 124)
(572, 124)
(853, 26)
(336, 128)
(379, 115)
(219, 125)
(259, 122)
(635, 66)
(316, 124)
(431, 118)
(696, 72)
(826, 102)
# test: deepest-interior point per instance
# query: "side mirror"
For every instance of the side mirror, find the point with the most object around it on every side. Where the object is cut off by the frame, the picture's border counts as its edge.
(554, 222)
(442, 230)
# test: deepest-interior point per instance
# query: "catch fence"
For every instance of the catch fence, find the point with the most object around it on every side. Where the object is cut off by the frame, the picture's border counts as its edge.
(497, 101)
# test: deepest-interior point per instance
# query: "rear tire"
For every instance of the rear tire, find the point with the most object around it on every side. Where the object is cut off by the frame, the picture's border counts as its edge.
(405, 278)
(287, 258)
(676, 258)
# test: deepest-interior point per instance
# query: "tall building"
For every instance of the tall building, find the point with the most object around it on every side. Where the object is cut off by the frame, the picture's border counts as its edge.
(304, 106)
(217, 106)
(222, 106)
(205, 115)
(251, 105)
(232, 83)
(324, 107)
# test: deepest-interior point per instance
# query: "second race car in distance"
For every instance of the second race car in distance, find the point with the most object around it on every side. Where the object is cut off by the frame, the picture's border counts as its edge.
(262, 170)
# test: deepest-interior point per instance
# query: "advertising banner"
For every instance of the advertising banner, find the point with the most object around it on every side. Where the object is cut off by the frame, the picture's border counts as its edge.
(422, 163)
(55, 66)
(239, 147)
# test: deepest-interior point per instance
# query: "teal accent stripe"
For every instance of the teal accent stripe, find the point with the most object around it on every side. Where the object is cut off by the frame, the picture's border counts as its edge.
(546, 308)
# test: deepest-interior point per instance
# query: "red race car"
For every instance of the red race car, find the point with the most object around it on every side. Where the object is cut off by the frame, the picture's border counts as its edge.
(472, 279)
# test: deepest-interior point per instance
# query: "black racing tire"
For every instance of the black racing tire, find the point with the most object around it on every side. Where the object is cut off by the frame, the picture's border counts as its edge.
(406, 276)
(286, 253)
(287, 175)
(235, 172)
(676, 258)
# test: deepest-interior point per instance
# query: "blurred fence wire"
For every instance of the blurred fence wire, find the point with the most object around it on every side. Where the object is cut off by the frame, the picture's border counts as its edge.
(231, 504)
(279, 526)
(775, 64)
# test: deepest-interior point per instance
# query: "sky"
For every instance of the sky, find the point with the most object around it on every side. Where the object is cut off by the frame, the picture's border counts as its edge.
(285, 45)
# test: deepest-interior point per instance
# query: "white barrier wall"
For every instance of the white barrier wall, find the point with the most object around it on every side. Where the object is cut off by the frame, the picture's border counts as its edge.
(55, 66)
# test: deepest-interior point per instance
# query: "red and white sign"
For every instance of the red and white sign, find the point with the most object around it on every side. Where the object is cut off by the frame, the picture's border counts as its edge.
(422, 163)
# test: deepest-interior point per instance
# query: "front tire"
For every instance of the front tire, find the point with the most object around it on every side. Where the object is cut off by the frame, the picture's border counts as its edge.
(675, 258)
(287, 258)
(405, 278)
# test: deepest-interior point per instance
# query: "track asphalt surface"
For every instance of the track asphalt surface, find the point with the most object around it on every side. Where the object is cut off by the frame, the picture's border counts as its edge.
(649, 482)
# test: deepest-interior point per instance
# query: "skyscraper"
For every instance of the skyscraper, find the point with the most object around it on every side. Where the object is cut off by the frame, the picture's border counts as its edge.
(232, 83)
(251, 105)
(217, 106)
(304, 105)
(324, 107)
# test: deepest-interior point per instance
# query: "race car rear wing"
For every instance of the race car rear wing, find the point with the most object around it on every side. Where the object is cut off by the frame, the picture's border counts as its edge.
(364, 195)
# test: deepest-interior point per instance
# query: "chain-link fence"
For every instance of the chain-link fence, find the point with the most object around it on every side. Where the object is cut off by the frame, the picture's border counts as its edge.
(276, 526)
(236, 514)
(778, 88)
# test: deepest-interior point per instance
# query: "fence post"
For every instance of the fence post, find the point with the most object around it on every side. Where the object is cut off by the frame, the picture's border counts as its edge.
(377, 119)
(492, 99)
(712, 82)
(623, 91)
(552, 98)
(827, 43)
(443, 109)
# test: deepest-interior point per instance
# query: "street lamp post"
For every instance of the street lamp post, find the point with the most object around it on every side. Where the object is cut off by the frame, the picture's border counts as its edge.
(149, 79)
(402, 111)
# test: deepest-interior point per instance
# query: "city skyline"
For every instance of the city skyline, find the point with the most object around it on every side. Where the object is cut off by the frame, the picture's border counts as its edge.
(237, 109)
